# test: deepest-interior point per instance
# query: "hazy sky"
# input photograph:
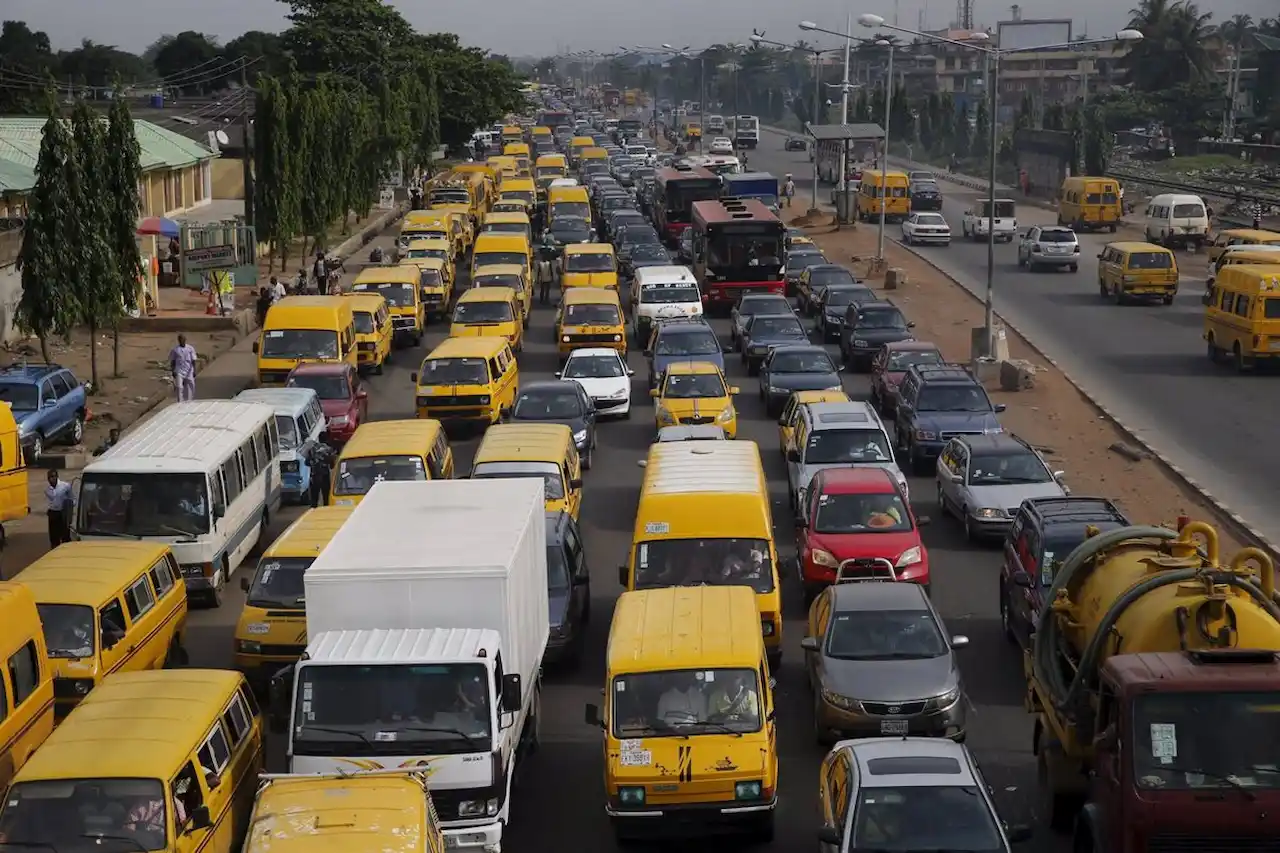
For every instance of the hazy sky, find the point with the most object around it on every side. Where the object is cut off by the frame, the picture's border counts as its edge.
(521, 27)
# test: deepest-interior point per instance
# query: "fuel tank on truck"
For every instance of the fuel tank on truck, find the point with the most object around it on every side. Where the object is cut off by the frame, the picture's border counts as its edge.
(1155, 590)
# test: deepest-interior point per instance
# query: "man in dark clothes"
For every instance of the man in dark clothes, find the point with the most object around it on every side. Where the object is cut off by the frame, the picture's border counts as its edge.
(321, 474)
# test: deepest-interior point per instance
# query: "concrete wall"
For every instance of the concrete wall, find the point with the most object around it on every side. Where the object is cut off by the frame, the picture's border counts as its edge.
(1045, 156)
(10, 293)
(228, 178)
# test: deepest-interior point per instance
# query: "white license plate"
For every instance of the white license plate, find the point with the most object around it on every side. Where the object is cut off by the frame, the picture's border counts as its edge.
(893, 727)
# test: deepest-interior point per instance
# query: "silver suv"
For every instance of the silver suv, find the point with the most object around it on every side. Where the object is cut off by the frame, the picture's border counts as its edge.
(1053, 246)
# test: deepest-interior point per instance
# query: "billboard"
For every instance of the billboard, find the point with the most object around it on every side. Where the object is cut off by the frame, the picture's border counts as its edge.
(1019, 35)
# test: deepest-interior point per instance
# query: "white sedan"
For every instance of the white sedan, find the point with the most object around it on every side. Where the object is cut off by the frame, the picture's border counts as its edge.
(604, 375)
(722, 145)
(923, 227)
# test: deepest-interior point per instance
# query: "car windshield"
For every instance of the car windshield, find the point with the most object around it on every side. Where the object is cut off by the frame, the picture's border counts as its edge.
(68, 630)
(454, 371)
(685, 702)
(1206, 740)
(1061, 539)
(1151, 261)
(953, 398)
(836, 446)
(930, 219)
(287, 429)
(839, 297)
(924, 817)
(328, 386)
(592, 315)
(399, 295)
(22, 396)
(799, 261)
(704, 562)
(548, 472)
(593, 367)
(773, 328)
(772, 305)
(143, 504)
(294, 344)
(882, 318)
(884, 635)
(663, 294)
(685, 386)
(549, 404)
(425, 709)
(1007, 469)
(557, 567)
(357, 475)
(506, 228)
(1050, 236)
(702, 342)
(364, 323)
(278, 583)
(73, 815)
(496, 259)
(801, 362)
(901, 360)
(500, 280)
(482, 313)
(828, 276)
(861, 513)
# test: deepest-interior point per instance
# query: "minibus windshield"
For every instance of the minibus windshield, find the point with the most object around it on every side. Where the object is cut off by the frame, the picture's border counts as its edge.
(278, 583)
(68, 630)
(357, 475)
(75, 816)
(300, 343)
(709, 562)
(143, 504)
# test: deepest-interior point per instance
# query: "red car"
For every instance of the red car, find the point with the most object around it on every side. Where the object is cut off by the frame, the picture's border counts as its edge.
(856, 523)
(890, 365)
(344, 400)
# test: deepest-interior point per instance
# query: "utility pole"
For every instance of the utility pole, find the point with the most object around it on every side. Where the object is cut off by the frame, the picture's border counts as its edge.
(246, 147)
(817, 105)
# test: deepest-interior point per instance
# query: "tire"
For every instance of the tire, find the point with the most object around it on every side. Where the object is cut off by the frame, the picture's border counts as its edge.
(77, 429)
(822, 736)
(1006, 621)
(177, 655)
(1238, 359)
(379, 367)
(1215, 353)
(1073, 267)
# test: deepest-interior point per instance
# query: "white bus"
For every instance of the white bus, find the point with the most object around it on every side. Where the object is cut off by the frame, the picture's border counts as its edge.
(203, 477)
(746, 132)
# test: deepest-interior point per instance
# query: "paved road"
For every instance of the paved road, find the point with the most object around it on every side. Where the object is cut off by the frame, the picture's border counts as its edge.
(561, 805)
(1146, 363)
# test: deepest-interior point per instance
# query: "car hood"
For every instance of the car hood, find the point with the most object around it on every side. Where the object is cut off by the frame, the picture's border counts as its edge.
(859, 546)
(662, 362)
(807, 472)
(574, 424)
(889, 680)
(894, 377)
(883, 336)
(612, 386)
(24, 415)
(804, 381)
(334, 408)
(1010, 497)
(963, 422)
(776, 341)
(558, 607)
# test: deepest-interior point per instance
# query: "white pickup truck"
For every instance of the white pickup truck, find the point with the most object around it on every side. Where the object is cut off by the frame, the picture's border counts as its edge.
(976, 220)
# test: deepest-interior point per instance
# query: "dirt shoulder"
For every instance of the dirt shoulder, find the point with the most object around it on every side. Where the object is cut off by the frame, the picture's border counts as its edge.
(1053, 415)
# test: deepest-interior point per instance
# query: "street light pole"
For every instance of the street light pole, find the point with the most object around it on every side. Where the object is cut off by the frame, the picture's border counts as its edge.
(813, 121)
(844, 113)
(884, 155)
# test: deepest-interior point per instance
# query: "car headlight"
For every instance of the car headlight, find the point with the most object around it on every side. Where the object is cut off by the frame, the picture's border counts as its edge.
(478, 808)
(339, 420)
(747, 790)
(726, 415)
(631, 795)
(249, 647)
(579, 437)
(946, 699)
(840, 701)
(825, 558)
(992, 430)
(990, 513)
(834, 388)
(23, 429)
(910, 557)
(926, 435)
(564, 338)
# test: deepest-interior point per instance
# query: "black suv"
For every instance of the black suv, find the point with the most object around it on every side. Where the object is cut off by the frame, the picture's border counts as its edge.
(938, 402)
(867, 327)
(1044, 532)
(568, 588)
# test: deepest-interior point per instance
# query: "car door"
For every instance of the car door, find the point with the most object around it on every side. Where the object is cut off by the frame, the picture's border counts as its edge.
(798, 437)
(1028, 240)
(837, 790)
(958, 495)
(786, 424)
(67, 409)
(765, 367)
(819, 614)
(353, 388)
(51, 422)
(579, 575)
(1026, 603)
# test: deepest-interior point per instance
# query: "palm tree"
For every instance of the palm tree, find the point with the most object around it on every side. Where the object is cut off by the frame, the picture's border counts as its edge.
(1236, 30)
(1172, 49)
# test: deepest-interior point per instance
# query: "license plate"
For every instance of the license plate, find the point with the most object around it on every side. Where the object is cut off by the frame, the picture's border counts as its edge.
(893, 727)
(450, 841)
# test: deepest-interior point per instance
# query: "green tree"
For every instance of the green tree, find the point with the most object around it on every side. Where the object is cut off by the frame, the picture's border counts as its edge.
(97, 296)
(1096, 142)
(1174, 45)
(982, 131)
(124, 171)
(48, 304)
(275, 193)
(304, 129)
(361, 38)
(190, 62)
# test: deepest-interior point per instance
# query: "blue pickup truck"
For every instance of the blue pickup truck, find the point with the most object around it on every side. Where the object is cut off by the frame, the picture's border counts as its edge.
(48, 402)
(757, 185)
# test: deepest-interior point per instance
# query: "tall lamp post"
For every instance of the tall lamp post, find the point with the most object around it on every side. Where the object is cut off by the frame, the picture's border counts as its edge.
(817, 99)
(978, 42)
(845, 87)
(884, 145)
(683, 52)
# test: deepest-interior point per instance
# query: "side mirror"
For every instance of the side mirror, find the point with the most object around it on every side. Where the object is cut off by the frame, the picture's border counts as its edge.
(809, 644)
(959, 641)
(1099, 256)
(622, 576)
(512, 693)
(1018, 833)
(793, 455)
(647, 353)
(830, 835)
(801, 522)
(911, 324)
(923, 521)
(48, 404)
(245, 583)
(782, 421)
(734, 389)
(1000, 407)
(362, 394)
(1022, 579)
(575, 483)
(1059, 475)
(631, 372)
(219, 510)
(726, 349)
(255, 347)
(413, 377)
(558, 374)
(200, 819)
(654, 392)
(591, 716)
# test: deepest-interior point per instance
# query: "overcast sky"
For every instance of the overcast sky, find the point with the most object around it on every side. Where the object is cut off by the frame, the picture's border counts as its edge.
(523, 28)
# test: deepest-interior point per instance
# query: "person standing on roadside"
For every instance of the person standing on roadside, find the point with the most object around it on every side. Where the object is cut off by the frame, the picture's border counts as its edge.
(278, 290)
(182, 364)
(321, 474)
(789, 190)
(59, 511)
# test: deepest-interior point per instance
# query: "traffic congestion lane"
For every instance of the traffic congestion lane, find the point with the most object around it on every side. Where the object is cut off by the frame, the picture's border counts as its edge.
(1145, 363)
(561, 795)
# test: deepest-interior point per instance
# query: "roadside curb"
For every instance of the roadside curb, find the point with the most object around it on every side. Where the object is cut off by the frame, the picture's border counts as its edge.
(1236, 520)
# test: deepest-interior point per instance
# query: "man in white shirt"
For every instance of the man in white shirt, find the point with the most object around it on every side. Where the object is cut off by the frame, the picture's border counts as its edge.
(182, 363)
(683, 707)
(278, 291)
(59, 511)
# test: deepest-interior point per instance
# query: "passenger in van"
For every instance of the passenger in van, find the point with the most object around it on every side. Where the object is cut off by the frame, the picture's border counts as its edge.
(735, 699)
(684, 703)
(112, 439)
(147, 819)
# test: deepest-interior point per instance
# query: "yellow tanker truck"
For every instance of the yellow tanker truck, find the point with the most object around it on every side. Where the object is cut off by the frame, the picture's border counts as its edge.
(1154, 681)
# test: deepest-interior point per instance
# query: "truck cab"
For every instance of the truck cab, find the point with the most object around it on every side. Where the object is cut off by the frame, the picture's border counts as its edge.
(977, 219)
(1186, 753)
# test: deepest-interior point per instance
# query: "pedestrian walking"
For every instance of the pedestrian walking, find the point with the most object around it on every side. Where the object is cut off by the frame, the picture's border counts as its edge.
(262, 305)
(321, 474)
(182, 364)
(789, 190)
(59, 510)
(278, 290)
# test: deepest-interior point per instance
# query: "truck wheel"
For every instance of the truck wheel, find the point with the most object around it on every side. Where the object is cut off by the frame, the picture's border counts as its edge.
(1057, 808)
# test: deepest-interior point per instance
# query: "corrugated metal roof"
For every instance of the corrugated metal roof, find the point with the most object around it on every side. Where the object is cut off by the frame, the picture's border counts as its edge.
(1266, 43)
(15, 177)
(160, 148)
(851, 132)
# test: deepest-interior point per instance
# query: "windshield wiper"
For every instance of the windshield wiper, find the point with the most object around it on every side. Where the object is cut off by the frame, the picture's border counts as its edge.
(721, 726)
(470, 739)
(99, 836)
(1221, 777)
(332, 731)
(190, 536)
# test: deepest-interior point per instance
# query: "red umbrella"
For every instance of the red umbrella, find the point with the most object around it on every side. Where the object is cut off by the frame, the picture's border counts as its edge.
(159, 226)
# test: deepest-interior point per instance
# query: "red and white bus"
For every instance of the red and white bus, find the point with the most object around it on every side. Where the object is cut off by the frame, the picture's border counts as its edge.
(738, 247)
(677, 190)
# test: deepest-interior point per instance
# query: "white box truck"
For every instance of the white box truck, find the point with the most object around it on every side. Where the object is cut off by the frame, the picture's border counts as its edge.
(427, 616)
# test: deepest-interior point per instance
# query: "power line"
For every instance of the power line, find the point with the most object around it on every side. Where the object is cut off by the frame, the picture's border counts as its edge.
(193, 76)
